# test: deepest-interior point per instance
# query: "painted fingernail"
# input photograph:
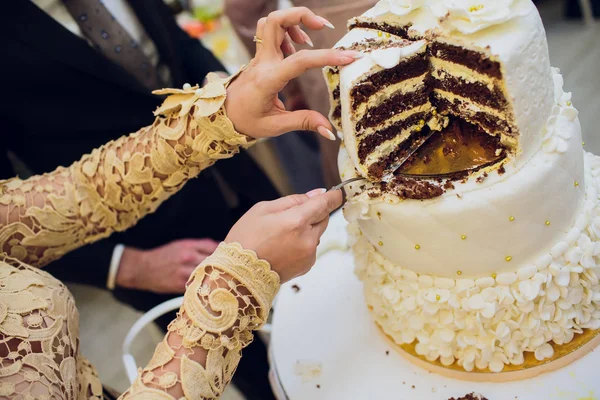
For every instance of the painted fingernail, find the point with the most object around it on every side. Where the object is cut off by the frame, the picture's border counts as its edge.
(306, 39)
(316, 192)
(350, 55)
(326, 23)
(326, 132)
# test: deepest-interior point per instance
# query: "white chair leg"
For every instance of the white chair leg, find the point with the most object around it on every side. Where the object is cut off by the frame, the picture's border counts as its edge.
(588, 13)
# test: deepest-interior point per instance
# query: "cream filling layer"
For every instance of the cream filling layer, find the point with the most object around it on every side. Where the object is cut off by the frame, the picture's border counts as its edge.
(389, 146)
(469, 105)
(463, 72)
(333, 80)
(396, 118)
(407, 86)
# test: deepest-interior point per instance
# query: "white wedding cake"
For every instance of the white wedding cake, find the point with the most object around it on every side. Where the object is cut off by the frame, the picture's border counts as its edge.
(497, 257)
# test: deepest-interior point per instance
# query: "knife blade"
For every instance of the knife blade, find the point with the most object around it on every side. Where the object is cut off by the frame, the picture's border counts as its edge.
(390, 172)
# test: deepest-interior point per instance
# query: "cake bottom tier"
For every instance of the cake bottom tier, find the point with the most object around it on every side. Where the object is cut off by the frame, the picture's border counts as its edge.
(324, 345)
(491, 322)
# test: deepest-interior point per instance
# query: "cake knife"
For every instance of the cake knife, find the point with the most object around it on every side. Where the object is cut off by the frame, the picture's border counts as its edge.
(390, 172)
(422, 176)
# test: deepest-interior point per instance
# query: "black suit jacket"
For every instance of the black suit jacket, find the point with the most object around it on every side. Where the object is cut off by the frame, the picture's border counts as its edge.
(62, 99)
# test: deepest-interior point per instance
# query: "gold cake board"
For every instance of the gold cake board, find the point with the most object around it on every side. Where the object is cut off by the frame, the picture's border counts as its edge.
(564, 355)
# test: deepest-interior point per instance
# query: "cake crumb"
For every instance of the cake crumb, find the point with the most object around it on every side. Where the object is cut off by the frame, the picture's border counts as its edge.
(501, 170)
(471, 396)
(448, 185)
(318, 386)
(296, 288)
(308, 370)
(387, 352)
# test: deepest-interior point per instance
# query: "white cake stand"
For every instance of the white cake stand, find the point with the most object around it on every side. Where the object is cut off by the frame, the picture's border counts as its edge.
(321, 321)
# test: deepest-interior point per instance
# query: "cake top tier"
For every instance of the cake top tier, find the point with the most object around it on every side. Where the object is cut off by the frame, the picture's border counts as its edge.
(488, 65)
(464, 16)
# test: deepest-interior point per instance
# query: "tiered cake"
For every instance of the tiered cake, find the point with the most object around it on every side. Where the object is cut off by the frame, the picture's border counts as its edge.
(497, 257)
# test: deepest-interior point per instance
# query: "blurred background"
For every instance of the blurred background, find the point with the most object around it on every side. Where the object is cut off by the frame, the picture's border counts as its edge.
(295, 164)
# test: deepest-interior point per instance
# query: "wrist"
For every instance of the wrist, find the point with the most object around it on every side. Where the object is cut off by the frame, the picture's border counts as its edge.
(130, 262)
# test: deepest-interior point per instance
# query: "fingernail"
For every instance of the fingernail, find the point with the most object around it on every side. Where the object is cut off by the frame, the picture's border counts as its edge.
(306, 39)
(353, 54)
(316, 192)
(326, 132)
(326, 23)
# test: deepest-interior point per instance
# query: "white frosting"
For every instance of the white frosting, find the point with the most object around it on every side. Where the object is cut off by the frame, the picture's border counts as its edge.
(390, 57)
(482, 212)
(491, 321)
(469, 16)
(397, 7)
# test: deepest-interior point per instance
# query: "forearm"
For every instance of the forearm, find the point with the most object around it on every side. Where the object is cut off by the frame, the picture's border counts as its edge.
(228, 296)
(109, 190)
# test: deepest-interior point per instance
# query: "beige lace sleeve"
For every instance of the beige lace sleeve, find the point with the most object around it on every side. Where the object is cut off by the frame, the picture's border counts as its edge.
(228, 296)
(109, 190)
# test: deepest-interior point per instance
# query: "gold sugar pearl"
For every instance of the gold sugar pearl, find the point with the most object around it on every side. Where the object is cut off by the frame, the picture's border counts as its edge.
(417, 247)
(388, 35)
(438, 297)
(458, 272)
(569, 103)
(547, 223)
(380, 243)
(508, 258)
(583, 143)
(342, 175)
(379, 33)
(422, 122)
(434, 112)
(576, 183)
(494, 276)
(476, 8)
(464, 237)
(511, 218)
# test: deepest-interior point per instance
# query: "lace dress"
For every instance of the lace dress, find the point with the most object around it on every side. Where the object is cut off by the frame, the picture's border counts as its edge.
(228, 296)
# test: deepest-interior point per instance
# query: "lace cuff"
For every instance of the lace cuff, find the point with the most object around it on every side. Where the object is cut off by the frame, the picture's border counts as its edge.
(221, 139)
(228, 296)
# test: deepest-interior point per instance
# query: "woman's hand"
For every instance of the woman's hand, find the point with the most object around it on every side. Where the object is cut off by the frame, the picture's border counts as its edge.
(286, 232)
(252, 99)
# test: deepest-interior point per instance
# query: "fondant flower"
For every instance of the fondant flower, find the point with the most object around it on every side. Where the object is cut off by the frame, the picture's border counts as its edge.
(398, 7)
(584, 252)
(470, 16)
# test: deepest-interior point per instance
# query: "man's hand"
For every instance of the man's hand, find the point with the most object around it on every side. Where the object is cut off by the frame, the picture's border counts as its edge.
(164, 269)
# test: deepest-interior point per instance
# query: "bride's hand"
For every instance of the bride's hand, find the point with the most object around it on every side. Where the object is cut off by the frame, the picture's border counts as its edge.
(286, 232)
(252, 103)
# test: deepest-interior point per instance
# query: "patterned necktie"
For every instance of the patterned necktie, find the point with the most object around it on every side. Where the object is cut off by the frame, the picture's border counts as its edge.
(108, 36)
